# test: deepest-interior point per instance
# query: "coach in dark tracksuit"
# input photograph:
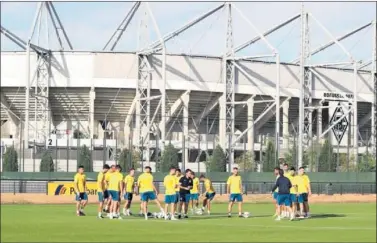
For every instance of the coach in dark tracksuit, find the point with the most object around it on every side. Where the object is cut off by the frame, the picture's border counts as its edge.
(284, 185)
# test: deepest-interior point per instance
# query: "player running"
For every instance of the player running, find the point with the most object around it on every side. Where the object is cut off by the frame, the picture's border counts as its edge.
(185, 185)
(80, 191)
(129, 185)
(147, 190)
(101, 189)
(194, 192)
(170, 184)
(115, 187)
(234, 189)
(209, 193)
(284, 186)
(307, 191)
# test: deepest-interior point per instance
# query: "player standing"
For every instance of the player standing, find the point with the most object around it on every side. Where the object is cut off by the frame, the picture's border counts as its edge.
(80, 191)
(293, 191)
(115, 186)
(178, 176)
(101, 188)
(185, 185)
(107, 201)
(285, 212)
(234, 189)
(275, 193)
(209, 193)
(129, 183)
(194, 192)
(147, 190)
(284, 186)
(170, 184)
(308, 192)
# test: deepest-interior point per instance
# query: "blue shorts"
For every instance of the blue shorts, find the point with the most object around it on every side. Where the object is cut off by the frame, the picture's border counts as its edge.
(210, 196)
(284, 199)
(293, 198)
(114, 195)
(146, 196)
(170, 199)
(176, 197)
(300, 198)
(184, 197)
(235, 197)
(128, 196)
(82, 196)
(275, 194)
(194, 196)
(305, 197)
(100, 196)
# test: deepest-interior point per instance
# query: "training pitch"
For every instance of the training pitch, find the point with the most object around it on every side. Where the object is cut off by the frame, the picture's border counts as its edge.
(351, 222)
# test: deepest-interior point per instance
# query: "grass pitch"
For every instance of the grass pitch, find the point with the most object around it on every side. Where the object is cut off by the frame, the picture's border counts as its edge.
(58, 223)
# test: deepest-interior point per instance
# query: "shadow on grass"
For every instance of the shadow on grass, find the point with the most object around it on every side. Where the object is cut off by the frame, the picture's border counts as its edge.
(325, 215)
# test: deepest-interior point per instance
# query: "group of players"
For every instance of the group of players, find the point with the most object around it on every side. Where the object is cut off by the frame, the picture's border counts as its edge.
(290, 192)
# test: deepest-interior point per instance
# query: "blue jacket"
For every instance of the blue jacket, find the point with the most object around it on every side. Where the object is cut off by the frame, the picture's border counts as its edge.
(284, 185)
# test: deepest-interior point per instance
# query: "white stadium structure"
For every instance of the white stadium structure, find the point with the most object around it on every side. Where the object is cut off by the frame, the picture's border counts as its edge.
(150, 97)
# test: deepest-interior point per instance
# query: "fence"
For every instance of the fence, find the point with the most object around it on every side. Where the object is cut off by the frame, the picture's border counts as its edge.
(22, 186)
(196, 150)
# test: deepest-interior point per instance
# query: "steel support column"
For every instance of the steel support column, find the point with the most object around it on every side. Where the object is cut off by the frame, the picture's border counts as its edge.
(250, 123)
(305, 115)
(374, 104)
(355, 121)
(229, 89)
(92, 97)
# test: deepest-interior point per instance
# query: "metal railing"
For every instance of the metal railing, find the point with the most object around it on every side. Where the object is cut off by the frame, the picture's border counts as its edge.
(28, 186)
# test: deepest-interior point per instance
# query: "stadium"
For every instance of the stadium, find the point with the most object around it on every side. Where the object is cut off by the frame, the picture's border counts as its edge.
(261, 90)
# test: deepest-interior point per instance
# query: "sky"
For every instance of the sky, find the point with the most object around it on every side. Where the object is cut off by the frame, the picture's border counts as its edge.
(89, 25)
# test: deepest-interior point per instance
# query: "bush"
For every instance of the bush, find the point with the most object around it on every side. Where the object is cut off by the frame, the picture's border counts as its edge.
(327, 162)
(217, 162)
(246, 162)
(84, 158)
(169, 158)
(367, 163)
(47, 163)
(269, 162)
(129, 159)
(10, 161)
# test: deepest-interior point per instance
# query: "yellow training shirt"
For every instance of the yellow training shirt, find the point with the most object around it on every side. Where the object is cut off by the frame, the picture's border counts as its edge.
(80, 180)
(100, 181)
(114, 181)
(170, 182)
(306, 181)
(195, 186)
(177, 178)
(235, 184)
(145, 182)
(208, 186)
(129, 181)
(301, 185)
(292, 179)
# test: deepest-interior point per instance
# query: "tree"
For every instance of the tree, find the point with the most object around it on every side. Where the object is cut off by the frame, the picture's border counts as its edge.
(10, 161)
(84, 158)
(129, 159)
(269, 162)
(47, 163)
(367, 163)
(169, 158)
(246, 162)
(327, 162)
(217, 162)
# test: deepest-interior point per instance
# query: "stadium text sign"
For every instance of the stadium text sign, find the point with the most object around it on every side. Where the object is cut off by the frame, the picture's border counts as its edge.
(336, 96)
(58, 188)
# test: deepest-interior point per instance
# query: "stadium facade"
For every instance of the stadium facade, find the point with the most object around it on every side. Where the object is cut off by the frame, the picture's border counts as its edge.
(149, 98)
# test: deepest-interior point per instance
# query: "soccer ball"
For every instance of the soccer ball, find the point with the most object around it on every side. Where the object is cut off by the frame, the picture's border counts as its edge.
(246, 215)
(199, 212)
